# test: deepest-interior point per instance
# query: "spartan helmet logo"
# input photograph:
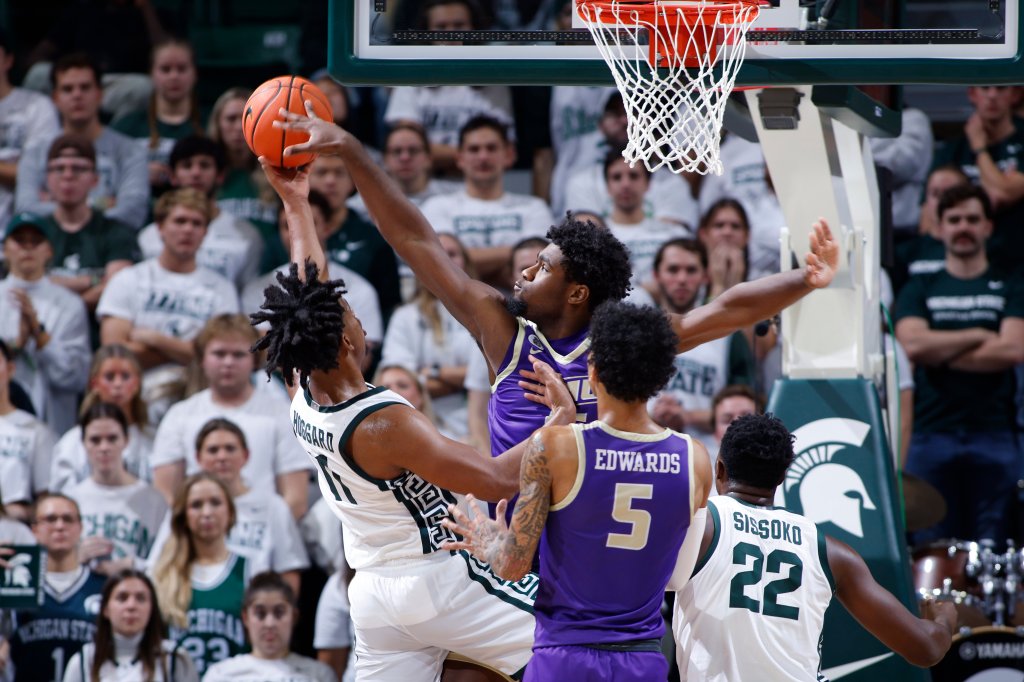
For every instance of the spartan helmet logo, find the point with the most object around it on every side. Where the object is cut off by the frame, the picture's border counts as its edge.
(828, 491)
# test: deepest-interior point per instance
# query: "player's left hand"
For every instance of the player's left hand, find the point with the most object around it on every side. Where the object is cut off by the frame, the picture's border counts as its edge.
(545, 386)
(480, 533)
(823, 259)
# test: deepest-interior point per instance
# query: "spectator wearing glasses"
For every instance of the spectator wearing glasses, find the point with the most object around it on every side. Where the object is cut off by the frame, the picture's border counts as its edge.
(45, 639)
(88, 247)
(122, 192)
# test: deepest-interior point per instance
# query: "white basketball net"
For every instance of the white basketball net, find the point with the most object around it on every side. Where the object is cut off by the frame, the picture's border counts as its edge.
(675, 111)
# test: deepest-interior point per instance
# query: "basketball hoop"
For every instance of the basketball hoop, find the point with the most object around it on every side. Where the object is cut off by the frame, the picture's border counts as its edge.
(675, 92)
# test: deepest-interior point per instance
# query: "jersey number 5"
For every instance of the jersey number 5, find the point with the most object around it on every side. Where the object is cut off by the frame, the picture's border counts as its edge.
(638, 519)
(778, 558)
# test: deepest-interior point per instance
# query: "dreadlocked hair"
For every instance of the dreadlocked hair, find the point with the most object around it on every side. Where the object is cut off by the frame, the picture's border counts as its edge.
(593, 257)
(306, 322)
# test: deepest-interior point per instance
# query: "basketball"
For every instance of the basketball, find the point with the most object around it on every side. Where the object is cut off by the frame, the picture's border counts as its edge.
(288, 92)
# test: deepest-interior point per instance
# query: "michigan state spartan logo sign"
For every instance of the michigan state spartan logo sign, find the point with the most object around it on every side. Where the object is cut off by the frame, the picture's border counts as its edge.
(842, 479)
(821, 484)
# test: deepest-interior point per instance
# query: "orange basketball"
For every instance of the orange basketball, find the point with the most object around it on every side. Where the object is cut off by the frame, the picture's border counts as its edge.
(288, 92)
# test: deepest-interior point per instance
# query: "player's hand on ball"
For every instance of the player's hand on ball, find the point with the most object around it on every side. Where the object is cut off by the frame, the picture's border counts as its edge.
(545, 386)
(324, 137)
(477, 529)
(289, 183)
(823, 258)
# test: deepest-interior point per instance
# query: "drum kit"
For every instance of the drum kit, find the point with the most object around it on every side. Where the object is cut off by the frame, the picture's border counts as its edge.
(985, 585)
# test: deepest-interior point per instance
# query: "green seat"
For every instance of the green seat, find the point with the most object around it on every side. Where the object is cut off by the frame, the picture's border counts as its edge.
(242, 56)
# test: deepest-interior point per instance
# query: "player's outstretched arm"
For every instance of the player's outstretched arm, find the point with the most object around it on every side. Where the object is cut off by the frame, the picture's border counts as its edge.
(923, 642)
(292, 185)
(750, 302)
(398, 438)
(478, 307)
(510, 550)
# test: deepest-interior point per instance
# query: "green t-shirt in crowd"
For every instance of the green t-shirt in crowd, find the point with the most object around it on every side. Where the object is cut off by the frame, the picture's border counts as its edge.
(88, 251)
(359, 247)
(948, 400)
(137, 125)
(922, 255)
(1006, 247)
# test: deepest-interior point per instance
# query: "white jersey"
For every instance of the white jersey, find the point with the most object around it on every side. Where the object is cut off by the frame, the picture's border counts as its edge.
(755, 605)
(232, 248)
(248, 668)
(643, 240)
(493, 222)
(381, 520)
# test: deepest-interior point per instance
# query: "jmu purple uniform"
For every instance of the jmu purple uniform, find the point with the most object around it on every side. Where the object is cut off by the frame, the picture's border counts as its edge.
(606, 555)
(511, 417)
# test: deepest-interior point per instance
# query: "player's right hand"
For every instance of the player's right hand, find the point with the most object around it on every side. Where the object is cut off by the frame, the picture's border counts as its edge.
(324, 136)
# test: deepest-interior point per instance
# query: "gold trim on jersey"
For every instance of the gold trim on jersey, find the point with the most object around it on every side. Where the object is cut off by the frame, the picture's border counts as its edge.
(636, 437)
(693, 485)
(562, 359)
(581, 470)
(517, 348)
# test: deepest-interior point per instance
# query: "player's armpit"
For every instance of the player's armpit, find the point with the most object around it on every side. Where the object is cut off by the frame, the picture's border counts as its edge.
(921, 642)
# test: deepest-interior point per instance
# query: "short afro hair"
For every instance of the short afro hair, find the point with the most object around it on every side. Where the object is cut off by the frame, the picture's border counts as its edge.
(594, 258)
(306, 323)
(757, 449)
(633, 349)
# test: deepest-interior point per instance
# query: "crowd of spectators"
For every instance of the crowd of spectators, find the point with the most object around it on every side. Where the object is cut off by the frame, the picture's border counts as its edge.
(142, 445)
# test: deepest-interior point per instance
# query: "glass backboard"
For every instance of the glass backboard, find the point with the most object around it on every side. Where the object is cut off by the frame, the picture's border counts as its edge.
(387, 42)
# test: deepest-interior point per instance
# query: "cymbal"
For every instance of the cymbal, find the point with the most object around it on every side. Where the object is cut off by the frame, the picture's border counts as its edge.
(924, 505)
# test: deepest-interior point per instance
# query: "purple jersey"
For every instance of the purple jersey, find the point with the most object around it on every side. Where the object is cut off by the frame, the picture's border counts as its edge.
(511, 417)
(609, 548)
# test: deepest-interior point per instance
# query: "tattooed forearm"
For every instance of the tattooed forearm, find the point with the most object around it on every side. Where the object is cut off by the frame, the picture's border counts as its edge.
(511, 553)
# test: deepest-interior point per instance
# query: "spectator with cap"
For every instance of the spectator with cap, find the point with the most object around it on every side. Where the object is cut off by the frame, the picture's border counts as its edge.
(44, 324)
(88, 247)
(122, 192)
(24, 116)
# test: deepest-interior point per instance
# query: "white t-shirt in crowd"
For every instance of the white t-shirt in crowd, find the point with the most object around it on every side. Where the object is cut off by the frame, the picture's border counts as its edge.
(410, 342)
(172, 303)
(265, 533)
(575, 113)
(129, 516)
(443, 110)
(232, 248)
(360, 294)
(669, 197)
(26, 444)
(71, 463)
(643, 241)
(248, 668)
(273, 449)
(495, 222)
(25, 116)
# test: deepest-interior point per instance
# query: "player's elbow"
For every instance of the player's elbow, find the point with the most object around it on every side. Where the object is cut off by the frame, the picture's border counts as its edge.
(931, 647)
